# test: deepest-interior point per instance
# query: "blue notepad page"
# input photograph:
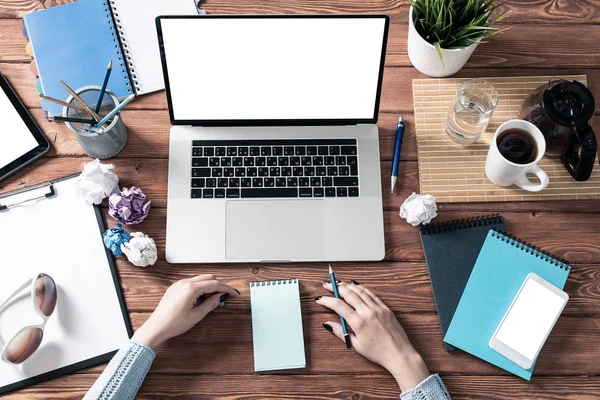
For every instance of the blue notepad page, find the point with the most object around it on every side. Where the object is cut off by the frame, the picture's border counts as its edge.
(75, 42)
(500, 270)
(278, 339)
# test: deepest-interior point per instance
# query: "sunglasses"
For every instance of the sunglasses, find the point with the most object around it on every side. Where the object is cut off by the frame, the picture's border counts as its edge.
(28, 339)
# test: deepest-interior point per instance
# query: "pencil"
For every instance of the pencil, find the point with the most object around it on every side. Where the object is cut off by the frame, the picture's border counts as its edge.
(103, 89)
(62, 103)
(342, 320)
(69, 119)
(82, 103)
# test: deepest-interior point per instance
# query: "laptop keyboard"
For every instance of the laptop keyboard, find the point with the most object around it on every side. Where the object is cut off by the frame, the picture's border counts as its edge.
(274, 168)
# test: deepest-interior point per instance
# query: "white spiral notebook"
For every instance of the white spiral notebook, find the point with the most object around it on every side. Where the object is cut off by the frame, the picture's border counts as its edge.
(277, 325)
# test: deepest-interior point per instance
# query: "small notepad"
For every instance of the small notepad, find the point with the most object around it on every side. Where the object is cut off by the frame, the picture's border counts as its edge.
(277, 325)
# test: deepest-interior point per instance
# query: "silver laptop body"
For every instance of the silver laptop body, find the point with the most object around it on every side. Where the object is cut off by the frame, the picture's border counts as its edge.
(290, 184)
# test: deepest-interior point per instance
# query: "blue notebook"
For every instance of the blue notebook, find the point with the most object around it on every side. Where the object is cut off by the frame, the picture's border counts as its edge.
(501, 268)
(278, 338)
(74, 42)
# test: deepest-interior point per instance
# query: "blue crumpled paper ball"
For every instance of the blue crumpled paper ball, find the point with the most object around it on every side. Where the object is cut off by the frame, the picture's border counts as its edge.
(114, 238)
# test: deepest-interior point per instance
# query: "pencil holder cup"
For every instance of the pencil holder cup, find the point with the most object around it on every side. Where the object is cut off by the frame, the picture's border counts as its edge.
(103, 145)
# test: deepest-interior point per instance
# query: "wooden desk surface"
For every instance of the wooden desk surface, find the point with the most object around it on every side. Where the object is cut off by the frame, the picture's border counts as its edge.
(214, 360)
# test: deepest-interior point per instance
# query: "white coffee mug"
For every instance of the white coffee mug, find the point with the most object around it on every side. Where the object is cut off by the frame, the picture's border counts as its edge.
(503, 172)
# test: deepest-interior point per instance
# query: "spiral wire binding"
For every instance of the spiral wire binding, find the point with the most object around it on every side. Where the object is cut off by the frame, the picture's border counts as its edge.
(274, 283)
(531, 249)
(125, 60)
(457, 224)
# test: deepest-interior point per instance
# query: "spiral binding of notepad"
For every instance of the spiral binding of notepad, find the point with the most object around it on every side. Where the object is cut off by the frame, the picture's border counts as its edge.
(273, 283)
(126, 61)
(464, 223)
(531, 249)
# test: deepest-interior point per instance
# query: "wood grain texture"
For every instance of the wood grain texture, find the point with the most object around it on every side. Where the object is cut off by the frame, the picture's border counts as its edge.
(528, 11)
(321, 387)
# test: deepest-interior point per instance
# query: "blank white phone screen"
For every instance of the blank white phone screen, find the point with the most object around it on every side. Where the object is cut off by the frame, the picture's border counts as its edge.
(530, 319)
(16, 139)
(273, 68)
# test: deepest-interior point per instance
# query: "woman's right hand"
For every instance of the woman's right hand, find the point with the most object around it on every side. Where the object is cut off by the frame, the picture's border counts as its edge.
(184, 304)
(378, 336)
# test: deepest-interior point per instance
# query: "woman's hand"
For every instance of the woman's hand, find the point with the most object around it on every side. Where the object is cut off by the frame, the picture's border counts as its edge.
(377, 336)
(184, 304)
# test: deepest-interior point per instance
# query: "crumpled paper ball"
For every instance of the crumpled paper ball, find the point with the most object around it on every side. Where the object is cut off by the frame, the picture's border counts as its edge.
(140, 250)
(130, 206)
(114, 238)
(418, 209)
(97, 182)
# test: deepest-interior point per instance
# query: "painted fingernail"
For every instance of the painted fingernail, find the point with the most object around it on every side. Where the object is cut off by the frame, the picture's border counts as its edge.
(329, 282)
(318, 298)
(224, 297)
(328, 327)
(238, 292)
(354, 283)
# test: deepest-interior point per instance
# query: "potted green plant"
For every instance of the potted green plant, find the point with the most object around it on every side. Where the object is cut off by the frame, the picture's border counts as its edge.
(442, 34)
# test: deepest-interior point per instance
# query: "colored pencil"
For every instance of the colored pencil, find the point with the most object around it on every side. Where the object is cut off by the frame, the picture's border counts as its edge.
(115, 111)
(103, 89)
(82, 103)
(69, 119)
(342, 320)
(62, 103)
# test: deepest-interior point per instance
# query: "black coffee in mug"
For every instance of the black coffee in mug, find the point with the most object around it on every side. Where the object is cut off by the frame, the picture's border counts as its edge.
(517, 146)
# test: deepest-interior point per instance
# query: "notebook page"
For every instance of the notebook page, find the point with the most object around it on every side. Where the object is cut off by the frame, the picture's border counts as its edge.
(137, 20)
(62, 239)
(277, 325)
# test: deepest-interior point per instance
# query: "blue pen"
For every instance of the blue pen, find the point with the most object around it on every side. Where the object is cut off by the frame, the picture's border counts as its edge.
(114, 112)
(399, 138)
(342, 320)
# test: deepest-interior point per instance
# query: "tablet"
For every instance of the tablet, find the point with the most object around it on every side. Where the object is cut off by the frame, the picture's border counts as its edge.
(21, 140)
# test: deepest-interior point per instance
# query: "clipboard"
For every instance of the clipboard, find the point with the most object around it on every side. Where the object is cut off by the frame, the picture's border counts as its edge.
(21, 202)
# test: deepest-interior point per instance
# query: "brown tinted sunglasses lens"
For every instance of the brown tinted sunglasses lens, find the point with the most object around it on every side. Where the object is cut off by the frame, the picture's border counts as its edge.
(24, 345)
(45, 294)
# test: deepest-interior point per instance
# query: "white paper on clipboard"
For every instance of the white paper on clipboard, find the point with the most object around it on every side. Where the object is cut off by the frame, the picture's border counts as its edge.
(58, 236)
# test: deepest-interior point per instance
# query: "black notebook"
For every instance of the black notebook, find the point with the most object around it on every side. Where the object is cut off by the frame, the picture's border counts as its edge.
(451, 250)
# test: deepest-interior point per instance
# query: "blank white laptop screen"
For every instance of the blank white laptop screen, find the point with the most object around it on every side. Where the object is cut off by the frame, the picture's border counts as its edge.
(261, 68)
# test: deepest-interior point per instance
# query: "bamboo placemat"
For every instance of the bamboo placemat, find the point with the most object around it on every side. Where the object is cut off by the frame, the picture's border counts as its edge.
(453, 173)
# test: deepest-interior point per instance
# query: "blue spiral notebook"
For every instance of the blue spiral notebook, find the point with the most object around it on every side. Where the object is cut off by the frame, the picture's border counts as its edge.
(503, 264)
(74, 42)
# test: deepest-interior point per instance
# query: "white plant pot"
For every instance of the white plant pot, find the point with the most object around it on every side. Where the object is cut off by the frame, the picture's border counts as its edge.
(424, 57)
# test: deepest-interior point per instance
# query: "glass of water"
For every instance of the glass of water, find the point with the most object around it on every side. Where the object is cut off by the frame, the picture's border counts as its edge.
(471, 111)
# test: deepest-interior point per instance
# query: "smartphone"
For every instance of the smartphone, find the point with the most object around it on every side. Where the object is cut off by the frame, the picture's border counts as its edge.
(528, 321)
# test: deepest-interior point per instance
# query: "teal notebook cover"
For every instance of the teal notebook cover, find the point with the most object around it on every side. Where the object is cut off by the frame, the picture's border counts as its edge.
(278, 338)
(501, 268)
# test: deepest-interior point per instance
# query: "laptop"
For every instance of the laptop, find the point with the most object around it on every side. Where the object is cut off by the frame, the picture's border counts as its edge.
(274, 151)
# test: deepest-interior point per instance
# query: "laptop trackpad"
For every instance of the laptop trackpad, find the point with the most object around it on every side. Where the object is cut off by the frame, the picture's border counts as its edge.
(278, 230)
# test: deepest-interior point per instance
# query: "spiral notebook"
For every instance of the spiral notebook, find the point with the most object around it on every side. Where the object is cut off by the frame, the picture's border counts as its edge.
(277, 333)
(451, 249)
(74, 42)
(500, 270)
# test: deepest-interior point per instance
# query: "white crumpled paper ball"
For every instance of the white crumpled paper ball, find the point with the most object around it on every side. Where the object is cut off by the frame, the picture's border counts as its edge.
(418, 209)
(97, 182)
(140, 250)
